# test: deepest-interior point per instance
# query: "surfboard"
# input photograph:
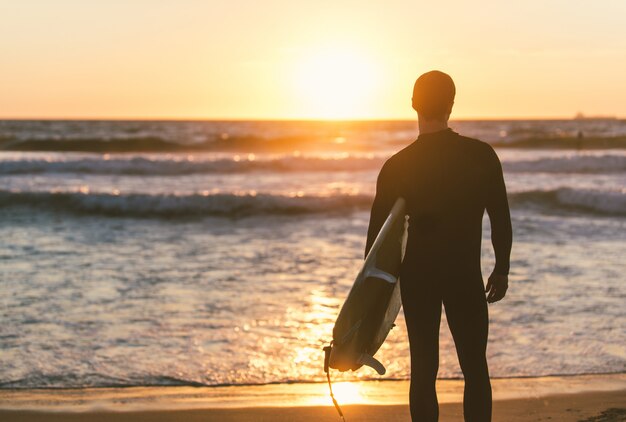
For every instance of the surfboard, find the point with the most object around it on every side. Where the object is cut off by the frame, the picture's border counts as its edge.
(369, 311)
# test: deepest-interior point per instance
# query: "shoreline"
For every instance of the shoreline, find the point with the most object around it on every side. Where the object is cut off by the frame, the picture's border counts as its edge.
(363, 393)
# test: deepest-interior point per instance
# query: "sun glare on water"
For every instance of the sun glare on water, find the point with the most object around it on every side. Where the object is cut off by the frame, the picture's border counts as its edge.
(348, 393)
(336, 83)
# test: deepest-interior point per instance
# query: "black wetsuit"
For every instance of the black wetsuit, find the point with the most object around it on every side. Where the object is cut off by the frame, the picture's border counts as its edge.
(447, 181)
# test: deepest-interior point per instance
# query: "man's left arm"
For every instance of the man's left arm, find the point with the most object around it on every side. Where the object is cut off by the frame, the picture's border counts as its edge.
(501, 231)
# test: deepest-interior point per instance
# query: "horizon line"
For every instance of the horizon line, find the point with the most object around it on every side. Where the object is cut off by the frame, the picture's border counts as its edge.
(304, 119)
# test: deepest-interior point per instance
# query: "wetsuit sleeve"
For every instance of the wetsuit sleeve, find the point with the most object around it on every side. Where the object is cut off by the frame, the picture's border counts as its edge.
(383, 202)
(499, 215)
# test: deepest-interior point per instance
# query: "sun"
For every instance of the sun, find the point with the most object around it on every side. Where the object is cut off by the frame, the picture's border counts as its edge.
(336, 83)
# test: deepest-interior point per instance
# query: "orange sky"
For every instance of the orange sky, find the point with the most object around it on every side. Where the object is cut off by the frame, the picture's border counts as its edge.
(315, 59)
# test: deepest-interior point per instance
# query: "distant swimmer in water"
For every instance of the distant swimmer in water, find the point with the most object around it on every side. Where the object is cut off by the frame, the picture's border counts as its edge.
(448, 181)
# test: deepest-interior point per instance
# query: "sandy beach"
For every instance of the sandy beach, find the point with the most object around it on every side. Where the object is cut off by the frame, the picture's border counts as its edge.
(597, 398)
(587, 407)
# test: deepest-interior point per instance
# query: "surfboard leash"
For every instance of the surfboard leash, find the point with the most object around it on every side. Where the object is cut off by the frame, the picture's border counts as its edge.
(327, 350)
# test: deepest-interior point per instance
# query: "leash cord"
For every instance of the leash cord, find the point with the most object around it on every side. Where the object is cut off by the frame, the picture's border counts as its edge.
(327, 350)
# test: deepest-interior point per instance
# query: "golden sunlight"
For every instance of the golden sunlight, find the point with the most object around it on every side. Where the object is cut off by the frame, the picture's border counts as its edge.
(348, 393)
(336, 83)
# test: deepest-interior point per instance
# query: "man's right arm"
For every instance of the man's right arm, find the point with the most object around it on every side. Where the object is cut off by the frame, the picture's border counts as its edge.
(383, 202)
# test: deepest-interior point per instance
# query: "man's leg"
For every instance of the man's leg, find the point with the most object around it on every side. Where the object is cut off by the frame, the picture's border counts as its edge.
(422, 312)
(468, 319)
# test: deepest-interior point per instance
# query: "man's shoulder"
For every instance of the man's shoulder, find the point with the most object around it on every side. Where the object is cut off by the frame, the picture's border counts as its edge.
(399, 157)
(481, 149)
(406, 153)
(475, 143)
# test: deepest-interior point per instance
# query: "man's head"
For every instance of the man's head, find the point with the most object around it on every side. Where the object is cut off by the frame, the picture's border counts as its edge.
(433, 96)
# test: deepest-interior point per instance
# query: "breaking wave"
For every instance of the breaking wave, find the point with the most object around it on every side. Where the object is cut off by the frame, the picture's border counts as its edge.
(146, 166)
(607, 163)
(142, 166)
(94, 380)
(582, 200)
(172, 206)
(241, 205)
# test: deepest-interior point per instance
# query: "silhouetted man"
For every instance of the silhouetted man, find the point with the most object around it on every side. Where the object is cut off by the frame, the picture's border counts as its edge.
(448, 181)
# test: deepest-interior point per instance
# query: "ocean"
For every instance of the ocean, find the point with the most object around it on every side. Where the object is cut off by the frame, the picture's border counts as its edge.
(143, 253)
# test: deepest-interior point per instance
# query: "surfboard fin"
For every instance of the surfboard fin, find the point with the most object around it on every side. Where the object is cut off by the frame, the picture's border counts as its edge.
(370, 361)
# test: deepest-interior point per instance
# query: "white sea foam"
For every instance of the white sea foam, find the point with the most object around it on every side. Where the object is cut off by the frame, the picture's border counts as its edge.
(607, 163)
(201, 204)
(238, 205)
(183, 165)
(609, 202)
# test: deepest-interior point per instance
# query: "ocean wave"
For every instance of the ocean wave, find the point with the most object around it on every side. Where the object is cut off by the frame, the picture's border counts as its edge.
(569, 164)
(195, 205)
(564, 142)
(106, 144)
(161, 167)
(288, 142)
(39, 380)
(251, 204)
(246, 143)
(580, 200)
(95, 380)
(143, 166)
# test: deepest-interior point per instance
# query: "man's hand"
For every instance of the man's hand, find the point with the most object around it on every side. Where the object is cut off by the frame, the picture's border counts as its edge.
(496, 287)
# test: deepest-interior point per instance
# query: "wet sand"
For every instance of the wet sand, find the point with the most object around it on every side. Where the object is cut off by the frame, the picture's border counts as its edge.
(591, 398)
